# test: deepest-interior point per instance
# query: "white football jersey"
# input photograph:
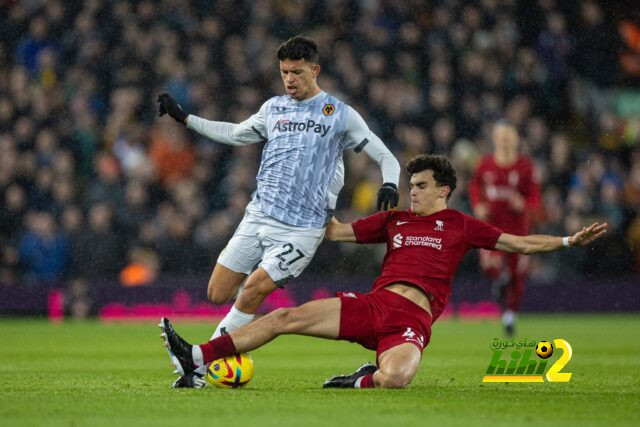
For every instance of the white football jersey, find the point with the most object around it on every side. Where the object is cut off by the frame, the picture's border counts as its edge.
(301, 171)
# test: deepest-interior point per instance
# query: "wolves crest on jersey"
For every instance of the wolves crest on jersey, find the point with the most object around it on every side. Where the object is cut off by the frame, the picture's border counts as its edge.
(328, 109)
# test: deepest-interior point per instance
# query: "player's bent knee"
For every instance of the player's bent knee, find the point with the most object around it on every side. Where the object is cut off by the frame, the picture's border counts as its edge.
(394, 381)
(399, 378)
(216, 295)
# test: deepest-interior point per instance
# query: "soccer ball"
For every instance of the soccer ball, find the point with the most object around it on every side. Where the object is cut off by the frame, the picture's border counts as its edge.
(230, 372)
(544, 349)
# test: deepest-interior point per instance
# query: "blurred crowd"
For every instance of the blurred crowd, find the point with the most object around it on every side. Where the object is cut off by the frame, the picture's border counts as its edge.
(94, 185)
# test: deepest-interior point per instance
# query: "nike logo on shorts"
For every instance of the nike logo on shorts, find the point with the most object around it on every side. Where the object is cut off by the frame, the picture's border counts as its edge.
(401, 222)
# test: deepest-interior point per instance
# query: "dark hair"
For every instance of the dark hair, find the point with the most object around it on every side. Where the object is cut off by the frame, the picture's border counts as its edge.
(299, 47)
(443, 172)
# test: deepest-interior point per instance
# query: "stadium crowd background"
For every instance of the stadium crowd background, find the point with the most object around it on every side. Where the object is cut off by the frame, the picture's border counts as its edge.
(94, 185)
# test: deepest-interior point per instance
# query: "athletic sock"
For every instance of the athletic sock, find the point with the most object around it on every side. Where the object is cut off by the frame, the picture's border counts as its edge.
(365, 381)
(235, 319)
(508, 317)
(217, 348)
(198, 357)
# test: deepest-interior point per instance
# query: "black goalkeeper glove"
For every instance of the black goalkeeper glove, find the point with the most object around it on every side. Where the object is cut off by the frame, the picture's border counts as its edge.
(169, 106)
(388, 196)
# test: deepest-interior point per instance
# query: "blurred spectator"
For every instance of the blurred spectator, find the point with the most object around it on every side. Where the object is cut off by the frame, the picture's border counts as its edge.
(630, 56)
(12, 212)
(171, 153)
(143, 268)
(37, 40)
(134, 211)
(179, 254)
(99, 251)
(107, 185)
(597, 46)
(44, 249)
(78, 301)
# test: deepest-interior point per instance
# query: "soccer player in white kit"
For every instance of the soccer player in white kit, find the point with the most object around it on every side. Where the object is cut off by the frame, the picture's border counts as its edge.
(301, 173)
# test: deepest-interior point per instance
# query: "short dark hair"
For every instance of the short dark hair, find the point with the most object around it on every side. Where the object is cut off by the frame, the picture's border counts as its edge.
(299, 47)
(443, 172)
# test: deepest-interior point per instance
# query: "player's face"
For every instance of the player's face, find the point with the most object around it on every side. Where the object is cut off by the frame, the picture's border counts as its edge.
(505, 138)
(299, 78)
(426, 195)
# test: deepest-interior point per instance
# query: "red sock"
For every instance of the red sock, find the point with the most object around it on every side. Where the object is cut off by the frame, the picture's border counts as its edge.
(366, 382)
(217, 348)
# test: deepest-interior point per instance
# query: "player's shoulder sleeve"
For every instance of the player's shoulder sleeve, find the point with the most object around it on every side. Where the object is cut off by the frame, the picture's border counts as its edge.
(357, 132)
(359, 137)
(373, 228)
(479, 234)
(254, 129)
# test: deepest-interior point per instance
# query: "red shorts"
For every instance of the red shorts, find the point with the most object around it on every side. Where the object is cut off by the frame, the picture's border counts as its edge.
(382, 319)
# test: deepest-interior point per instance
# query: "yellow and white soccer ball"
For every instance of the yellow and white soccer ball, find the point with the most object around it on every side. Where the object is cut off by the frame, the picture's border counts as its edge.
(230, 372)
(544, 349)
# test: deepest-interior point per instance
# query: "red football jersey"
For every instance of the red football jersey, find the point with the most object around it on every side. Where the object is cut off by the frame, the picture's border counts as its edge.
(424, 250)
(496, 185)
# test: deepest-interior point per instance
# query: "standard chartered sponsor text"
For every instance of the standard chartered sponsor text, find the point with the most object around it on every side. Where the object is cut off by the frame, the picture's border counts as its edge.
(434, 242)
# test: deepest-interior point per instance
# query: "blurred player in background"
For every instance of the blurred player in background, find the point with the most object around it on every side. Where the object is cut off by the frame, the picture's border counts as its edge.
(504, 193)
(424, 247)
(301, 173)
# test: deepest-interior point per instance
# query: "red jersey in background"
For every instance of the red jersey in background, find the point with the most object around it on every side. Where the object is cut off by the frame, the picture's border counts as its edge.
(497, 185)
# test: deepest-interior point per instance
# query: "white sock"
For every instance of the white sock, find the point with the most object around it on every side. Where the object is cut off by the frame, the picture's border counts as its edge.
(508, 317)
(234, 319)
(198, 357)
(358, 381)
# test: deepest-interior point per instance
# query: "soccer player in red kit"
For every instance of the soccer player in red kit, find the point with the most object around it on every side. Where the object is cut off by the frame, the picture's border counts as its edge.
(424, 246)
(504, 193)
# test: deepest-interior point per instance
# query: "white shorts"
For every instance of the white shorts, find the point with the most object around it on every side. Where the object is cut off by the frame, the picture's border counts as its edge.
(282, 250)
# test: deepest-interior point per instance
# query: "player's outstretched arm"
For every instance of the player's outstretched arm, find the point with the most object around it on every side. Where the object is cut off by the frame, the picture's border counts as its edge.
(250, 131)
(339, 232)
(533, 244)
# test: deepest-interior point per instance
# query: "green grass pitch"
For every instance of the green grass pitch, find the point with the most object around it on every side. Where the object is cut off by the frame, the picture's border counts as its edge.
(87, 373)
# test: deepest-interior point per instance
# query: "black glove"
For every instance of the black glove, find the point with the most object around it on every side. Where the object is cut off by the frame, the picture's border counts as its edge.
(169, 106)
(388, 196)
